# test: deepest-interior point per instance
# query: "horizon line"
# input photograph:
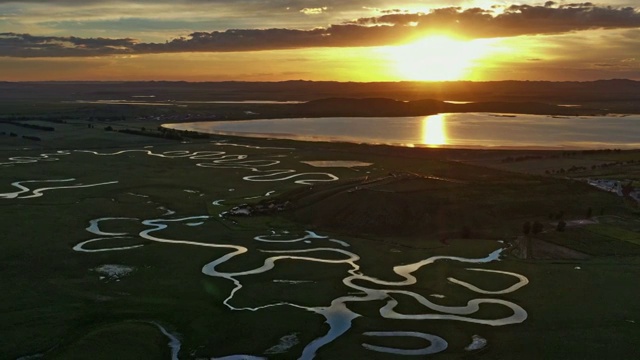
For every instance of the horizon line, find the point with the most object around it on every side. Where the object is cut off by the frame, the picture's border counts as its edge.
(314, 81)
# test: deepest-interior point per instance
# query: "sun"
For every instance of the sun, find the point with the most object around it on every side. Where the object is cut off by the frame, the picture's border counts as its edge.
(437, 58)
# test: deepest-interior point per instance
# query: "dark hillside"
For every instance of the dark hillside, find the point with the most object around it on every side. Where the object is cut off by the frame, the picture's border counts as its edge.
(457, 201)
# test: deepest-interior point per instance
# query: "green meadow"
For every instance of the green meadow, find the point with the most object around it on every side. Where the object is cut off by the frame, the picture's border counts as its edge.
(131, 246)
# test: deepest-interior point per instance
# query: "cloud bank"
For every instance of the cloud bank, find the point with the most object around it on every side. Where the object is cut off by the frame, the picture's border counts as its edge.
(392, 27)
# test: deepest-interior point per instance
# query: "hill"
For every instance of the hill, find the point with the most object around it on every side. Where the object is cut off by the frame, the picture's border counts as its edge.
(453, 201)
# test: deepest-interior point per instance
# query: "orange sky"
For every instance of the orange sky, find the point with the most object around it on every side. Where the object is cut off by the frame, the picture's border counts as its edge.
(317, 40)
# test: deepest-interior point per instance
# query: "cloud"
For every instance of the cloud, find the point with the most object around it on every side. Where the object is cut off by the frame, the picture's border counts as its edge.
(387, 29)
(25, 45)
(314, 11)
(515, 20)
(156, 21)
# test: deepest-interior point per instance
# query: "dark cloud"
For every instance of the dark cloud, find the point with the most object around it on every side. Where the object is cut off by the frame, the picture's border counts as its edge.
(270, 39)
(387, 29)
(515, 20)
(25, 45)
(393, 11)
(578, 5)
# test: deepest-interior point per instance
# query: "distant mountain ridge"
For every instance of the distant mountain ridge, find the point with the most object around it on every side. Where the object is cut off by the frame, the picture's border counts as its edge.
(620, 89)
(389, 107)
(616, 95)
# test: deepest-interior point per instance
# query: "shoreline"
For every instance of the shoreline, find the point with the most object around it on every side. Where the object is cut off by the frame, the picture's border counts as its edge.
(454, 143)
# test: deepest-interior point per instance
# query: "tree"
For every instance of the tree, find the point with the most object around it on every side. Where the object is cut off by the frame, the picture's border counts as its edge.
(526, 228)
(537, 228)
(589, 213)
(561, 225)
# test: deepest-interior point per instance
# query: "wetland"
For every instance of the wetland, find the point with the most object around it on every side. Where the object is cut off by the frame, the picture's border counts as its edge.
(138, 245)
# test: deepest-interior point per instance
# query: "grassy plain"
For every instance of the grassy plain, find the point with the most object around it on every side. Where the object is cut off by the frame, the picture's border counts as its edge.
(56, 304)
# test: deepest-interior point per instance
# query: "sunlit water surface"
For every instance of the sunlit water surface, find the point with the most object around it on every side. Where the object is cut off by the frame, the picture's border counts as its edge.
(444, 130)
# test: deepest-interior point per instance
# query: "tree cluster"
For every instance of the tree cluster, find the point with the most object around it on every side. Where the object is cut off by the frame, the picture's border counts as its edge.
(32, 126)
(535, 228)
(34, 138)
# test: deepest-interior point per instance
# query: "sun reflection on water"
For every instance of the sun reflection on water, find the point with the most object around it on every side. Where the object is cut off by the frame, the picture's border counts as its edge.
(434, 130)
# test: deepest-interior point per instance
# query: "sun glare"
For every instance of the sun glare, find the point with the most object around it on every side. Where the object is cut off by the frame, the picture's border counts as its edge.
(434, 132)
(438, 58)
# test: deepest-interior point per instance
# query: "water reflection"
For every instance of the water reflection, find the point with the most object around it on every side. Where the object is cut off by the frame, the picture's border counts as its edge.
(434, 132)
(451, 130)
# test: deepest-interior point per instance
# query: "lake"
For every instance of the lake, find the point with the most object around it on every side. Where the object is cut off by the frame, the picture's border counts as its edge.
(469, 130)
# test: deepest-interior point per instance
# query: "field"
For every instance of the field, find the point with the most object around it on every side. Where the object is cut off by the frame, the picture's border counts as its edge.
(125, 246)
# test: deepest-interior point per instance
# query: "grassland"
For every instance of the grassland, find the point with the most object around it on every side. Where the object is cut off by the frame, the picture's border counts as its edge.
(56, 303)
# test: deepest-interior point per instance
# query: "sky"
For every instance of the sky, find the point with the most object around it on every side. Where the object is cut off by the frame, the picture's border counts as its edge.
(342, 40)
